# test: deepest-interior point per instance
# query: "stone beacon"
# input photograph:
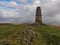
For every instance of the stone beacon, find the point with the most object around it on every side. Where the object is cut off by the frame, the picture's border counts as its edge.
(38, 19)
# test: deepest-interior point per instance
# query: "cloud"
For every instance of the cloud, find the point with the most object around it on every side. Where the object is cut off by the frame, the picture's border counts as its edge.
(14, 12)
(51, 11)
(23, 11)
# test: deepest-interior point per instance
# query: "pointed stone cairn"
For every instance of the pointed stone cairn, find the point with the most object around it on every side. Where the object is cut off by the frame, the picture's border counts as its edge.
(38, 19)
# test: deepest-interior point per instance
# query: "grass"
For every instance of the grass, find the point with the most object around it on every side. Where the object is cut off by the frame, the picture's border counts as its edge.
(50, 30)
(43, 35)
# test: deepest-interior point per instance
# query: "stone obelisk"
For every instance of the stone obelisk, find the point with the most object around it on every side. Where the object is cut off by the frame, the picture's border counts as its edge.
(38, 19)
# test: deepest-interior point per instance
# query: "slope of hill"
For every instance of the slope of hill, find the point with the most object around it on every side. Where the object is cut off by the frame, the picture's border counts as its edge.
(25, 34)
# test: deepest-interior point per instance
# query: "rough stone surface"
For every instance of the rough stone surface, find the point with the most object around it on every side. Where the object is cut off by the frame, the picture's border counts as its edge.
(23, 37)
(38, 16)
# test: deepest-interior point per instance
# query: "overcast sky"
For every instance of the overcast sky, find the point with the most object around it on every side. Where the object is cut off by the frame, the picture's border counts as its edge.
(20, 11)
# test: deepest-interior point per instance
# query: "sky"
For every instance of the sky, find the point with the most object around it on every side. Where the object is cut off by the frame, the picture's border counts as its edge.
(24, 11)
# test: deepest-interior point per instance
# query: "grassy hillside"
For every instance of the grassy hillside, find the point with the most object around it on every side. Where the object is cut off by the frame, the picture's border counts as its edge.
(25, 34)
